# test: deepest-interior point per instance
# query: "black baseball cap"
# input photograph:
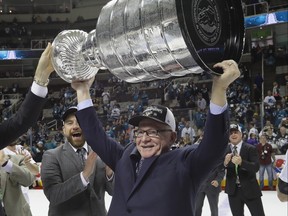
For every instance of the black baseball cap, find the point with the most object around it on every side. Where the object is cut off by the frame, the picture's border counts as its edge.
(69, 111)
(235, 127)
(157, 113)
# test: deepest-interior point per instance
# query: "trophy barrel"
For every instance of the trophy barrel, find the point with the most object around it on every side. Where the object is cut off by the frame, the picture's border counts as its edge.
(144, 40)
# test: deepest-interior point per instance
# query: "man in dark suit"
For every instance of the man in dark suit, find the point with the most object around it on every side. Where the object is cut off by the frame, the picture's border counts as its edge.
(242, 164)
(151, 179)
(31, 107)
(75, 186)
(210, 188)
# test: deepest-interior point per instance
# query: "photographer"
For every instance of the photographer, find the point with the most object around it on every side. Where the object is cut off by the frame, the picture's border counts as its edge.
(265, 153)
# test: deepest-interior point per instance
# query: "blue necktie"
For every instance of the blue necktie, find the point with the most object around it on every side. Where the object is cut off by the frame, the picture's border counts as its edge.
(139, 166)
(81, 154)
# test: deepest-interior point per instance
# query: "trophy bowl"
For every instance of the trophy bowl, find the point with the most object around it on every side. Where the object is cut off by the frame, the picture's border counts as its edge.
(67, 58)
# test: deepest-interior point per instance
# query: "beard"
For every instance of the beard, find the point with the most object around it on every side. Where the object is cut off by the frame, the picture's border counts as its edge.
(76, 143)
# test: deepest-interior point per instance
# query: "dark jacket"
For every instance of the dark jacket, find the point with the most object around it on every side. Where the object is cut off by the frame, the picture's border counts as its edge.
(247, 172)
(25, 117)
(167, 183)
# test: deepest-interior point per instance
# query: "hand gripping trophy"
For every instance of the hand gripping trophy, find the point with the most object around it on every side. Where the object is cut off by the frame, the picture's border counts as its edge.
(144, 40)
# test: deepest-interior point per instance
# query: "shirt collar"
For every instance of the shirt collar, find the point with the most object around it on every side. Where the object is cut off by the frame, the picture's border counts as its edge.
(239, 145)
(85, 146)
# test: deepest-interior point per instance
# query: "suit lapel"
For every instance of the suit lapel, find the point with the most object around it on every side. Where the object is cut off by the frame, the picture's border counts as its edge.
(71, 155)
(92, 177)
(3, 176)
(243, 150)
(144, 169)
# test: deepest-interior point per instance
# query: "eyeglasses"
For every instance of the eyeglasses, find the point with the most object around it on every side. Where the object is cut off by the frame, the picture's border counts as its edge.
(150, 133)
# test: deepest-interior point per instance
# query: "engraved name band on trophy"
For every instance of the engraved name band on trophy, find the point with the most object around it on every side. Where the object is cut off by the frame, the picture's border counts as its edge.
(144, 40)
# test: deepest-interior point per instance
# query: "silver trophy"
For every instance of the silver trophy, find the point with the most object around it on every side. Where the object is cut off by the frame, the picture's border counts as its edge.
(144, 40)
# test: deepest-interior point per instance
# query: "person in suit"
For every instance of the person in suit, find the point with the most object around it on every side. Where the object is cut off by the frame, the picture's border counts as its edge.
(150, 178)
(15, 149)
(72, 185)
(242, 164)
(14, 174)
(30, 109)
(211, 188)
(282, 186)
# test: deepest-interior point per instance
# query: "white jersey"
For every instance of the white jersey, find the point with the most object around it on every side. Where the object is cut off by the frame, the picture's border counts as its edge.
(284, 173)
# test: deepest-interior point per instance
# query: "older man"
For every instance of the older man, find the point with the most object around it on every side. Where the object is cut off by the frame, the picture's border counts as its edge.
(151, 179)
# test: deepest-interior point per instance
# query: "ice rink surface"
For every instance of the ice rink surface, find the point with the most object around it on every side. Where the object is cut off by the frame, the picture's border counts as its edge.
(272, 206)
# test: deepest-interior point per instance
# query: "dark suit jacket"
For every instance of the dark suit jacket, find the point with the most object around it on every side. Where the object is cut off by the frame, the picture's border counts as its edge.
(60, 174)
(217, 174)
(247, 172)
(167, 183)
(25, 117)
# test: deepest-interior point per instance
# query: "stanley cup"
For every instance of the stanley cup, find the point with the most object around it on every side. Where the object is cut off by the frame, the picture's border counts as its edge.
(144, 40)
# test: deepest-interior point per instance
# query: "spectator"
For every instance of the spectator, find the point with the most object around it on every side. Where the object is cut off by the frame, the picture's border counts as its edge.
(59, 138)
(180, 126)
(256, 94)
(199, 117)
(144, 99)
(252, 139)
(279, 114)
(271, 137)
(201, 102)
(188, 131)
(50, 143)
(252, 129)
(38, 151)
(282, 140)
(115, 113)
(276, 91)
(181, 98)
(265, 153)
(106, 97)
(56, 111)
(269, 103)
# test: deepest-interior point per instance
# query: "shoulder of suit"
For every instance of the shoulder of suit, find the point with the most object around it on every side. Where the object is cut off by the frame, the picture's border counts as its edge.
(247, 145)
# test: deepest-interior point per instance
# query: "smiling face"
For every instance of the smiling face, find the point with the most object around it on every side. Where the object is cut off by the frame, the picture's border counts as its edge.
(73, 132)
(235, 137)
(149, 146)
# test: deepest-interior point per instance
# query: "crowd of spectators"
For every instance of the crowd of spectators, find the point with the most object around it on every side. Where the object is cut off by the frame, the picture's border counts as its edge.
(192, 102)
(116, 101)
